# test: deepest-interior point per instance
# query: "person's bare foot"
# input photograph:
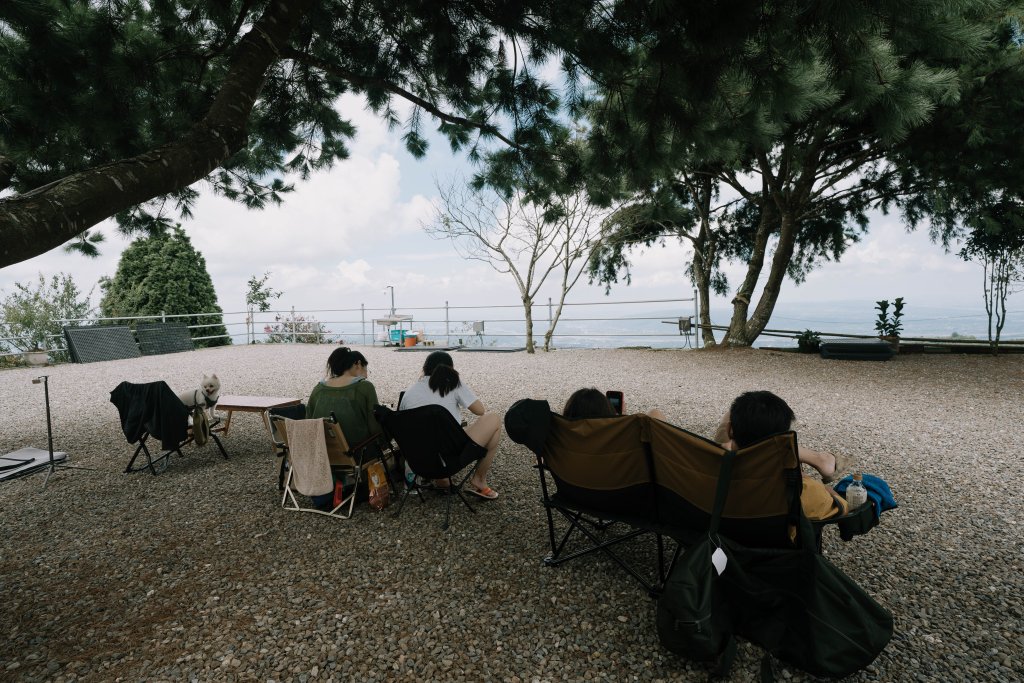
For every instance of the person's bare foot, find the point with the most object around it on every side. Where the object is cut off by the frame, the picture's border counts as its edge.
(840, 464)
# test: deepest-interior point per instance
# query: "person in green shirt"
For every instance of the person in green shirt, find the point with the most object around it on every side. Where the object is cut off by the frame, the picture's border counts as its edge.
(348, 394)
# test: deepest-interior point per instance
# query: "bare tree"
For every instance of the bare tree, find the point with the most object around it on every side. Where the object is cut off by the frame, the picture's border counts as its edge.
(527, 241)
(576, 237)
(1001, 255)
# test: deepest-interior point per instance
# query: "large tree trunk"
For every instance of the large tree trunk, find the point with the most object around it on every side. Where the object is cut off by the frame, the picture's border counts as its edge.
(736, 334)
(783, 198)
(704, 248)
(704, 304)
(770, 293)
(705, 251)
(49, 216)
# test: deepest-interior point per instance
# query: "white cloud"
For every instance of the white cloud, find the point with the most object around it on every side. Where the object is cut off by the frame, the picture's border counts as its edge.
(352, 273)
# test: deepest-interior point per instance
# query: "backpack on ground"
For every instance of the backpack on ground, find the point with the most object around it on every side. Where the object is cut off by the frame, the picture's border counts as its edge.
(793, 602)
(693, 619)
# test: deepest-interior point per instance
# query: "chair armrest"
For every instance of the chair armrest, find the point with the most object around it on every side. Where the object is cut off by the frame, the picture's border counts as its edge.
(364, 443)
(383, 443)
(854, 523)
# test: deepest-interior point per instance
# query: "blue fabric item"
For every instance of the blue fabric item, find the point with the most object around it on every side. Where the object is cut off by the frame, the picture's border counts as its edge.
(878, 491)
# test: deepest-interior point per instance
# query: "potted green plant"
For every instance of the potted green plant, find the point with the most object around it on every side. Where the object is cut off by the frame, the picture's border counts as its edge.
(889, 327)
(809, 341)
(35, 357)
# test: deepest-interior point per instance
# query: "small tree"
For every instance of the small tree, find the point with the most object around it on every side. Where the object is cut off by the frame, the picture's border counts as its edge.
(32, 315)
(257, 298)
(298, 329)
(164, 273)
(1001, 255)
(523, 239)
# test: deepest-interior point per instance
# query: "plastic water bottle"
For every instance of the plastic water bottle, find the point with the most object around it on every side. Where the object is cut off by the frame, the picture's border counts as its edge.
(856, 494)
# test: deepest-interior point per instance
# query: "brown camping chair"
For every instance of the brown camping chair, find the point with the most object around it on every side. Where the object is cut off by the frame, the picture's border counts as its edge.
(763, 502)
(319, 465)
(653, 478)
(597, 476)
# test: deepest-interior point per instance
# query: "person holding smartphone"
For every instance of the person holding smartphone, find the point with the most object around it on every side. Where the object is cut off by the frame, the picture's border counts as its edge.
(590, 403)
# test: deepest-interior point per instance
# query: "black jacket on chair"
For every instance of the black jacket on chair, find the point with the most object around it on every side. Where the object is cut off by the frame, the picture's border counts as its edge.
(151, 408)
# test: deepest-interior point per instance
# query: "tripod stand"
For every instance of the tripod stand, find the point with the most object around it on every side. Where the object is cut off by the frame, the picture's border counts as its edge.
(54, 464)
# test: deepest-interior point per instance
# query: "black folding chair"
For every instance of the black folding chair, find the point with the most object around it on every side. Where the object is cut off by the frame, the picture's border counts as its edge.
(435, 447)
(152, 409)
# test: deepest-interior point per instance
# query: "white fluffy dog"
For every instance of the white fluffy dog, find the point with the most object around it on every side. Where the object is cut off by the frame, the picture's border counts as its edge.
(207, 394)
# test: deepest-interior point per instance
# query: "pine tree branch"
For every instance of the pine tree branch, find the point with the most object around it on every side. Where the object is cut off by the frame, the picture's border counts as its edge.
(46, 217)
(852, 166)
(364, 80)
(866, 197)
(730, 179)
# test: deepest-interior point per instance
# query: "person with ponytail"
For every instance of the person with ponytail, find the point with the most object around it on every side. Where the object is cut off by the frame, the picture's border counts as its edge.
(347, 393)
(441, 385)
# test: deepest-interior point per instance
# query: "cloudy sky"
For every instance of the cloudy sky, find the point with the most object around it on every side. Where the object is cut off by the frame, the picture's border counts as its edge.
(345, 235)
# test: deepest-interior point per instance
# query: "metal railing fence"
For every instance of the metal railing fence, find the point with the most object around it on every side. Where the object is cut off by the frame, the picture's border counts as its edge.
(326, 325)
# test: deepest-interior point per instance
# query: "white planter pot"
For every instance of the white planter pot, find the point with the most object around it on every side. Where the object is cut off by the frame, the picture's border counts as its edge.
(36, 357)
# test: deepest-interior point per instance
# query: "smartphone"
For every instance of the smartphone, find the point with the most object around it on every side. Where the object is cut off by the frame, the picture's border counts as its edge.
(617, 400)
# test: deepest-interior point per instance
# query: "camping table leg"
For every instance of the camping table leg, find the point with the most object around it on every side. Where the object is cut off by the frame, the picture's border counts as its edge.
(270, 431)
(227, 423)
(254, 404)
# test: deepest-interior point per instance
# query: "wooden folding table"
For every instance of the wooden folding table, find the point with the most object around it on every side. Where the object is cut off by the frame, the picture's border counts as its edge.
(254, 404)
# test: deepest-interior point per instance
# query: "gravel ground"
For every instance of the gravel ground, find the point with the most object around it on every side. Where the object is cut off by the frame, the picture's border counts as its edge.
(199, 575)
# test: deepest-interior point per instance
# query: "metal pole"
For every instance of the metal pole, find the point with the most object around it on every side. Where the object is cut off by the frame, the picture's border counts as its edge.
(696, 320)
(45, 379)
(163, 316)
(549, 312)
(293, 324)
(49, 425)
(447, 337)
(362, 322)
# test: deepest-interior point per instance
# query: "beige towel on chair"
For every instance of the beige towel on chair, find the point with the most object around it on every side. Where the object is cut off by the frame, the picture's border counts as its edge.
(307, 453)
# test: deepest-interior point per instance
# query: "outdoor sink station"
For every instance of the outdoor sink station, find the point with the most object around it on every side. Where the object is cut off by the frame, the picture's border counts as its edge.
(396, 330)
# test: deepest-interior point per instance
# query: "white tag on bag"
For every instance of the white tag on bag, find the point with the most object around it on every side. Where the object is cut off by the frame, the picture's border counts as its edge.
(718, 559)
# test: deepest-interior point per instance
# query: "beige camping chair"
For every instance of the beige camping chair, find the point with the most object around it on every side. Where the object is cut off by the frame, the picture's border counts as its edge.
(316, 451)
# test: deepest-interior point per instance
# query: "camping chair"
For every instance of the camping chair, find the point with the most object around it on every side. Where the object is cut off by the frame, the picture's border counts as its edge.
(435, 446)
(762, 506)
(152, 409)
(596, 475)
(296, 412)
(652, 478)
(316, 449)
